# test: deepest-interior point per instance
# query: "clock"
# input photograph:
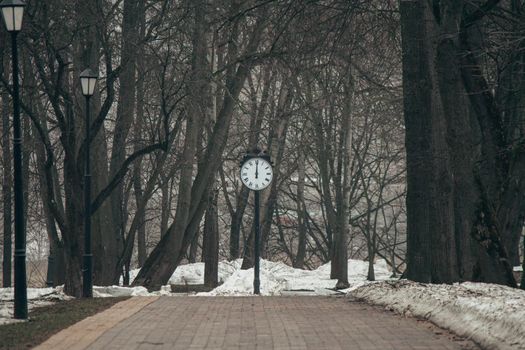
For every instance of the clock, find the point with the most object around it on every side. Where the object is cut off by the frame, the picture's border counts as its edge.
(256, 173)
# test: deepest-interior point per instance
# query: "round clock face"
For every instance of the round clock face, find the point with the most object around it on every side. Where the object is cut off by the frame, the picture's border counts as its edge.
(256, 174)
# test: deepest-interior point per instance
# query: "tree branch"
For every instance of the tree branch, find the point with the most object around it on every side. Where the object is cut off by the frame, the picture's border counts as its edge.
(479, 13)
(105, 192)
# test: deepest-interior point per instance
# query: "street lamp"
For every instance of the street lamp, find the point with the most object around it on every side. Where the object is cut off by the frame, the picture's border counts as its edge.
(88, 80)
(13, 12)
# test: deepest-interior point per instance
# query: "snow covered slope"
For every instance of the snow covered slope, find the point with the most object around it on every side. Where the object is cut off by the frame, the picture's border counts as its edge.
(489, 314)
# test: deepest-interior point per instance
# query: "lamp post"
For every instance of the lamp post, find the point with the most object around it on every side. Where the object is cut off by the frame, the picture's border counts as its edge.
(13, 12)
(88, 79)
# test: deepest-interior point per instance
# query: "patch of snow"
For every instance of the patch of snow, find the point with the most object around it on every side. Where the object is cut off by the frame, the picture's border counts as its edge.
(36, 297)
(518, 268)
(33, 293)
(491, 315)
(118, 291)
(277, 277)
(194, 273)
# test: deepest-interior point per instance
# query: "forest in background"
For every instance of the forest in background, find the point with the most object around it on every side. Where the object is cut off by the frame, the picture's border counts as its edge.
(187, 87)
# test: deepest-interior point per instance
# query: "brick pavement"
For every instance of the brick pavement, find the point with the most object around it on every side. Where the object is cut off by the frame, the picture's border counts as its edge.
(293, 322)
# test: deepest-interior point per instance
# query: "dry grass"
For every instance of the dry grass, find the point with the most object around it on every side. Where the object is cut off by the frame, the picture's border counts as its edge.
(48, 320)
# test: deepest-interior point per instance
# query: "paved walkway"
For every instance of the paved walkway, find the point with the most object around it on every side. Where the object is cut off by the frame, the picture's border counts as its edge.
(253, 323)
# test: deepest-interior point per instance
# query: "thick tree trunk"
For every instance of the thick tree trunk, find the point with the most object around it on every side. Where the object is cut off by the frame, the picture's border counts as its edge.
(425, 117)
(210, 249)
(417, 89)
(125, 117)
(73, 247)
(165, 209)
(522, 283)
(279, 130)
(55, 271)
(340, 259)
(455, 168)
(137, 167)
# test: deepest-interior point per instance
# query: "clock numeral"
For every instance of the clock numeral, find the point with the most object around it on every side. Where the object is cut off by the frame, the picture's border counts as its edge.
(268, 180)
(268, 174)
(251, 163)
(245, 179)
(250, 184)
(256, 185)
(267, 168)
(244, 174)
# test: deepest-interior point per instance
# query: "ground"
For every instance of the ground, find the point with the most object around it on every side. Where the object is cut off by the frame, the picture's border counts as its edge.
(294, 322)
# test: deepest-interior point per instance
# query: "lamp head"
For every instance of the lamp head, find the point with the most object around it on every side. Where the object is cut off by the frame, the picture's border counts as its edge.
(88, 80)
(13, 13)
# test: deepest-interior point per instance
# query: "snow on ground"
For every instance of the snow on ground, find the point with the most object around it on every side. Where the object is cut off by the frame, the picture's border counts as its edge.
(119, 291)
(194, 273)
(489, 314)
(36, 297)
(277, 277)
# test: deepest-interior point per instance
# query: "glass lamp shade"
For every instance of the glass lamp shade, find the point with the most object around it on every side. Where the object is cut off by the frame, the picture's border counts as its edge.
(13, 12)
(88, 80)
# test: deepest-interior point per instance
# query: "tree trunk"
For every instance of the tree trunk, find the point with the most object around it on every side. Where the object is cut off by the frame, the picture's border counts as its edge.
(139, 121)
(74, 231)
(301, 211)
(125, 114)
(210, 249)
(455, 167)
(340, 258)
(236, 222)
(416, 89)
(165, 209)
(192, 255)
(277, 141)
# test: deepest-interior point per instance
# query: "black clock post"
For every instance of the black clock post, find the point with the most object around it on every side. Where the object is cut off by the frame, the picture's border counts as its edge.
(256, 181)
(256, 248)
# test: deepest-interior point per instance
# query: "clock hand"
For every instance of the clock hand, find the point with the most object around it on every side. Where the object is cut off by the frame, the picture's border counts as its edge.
(256, 169)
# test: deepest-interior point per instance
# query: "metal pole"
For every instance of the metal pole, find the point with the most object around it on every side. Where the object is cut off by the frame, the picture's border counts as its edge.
(20, 232)
(87, 271)
(256, 280)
